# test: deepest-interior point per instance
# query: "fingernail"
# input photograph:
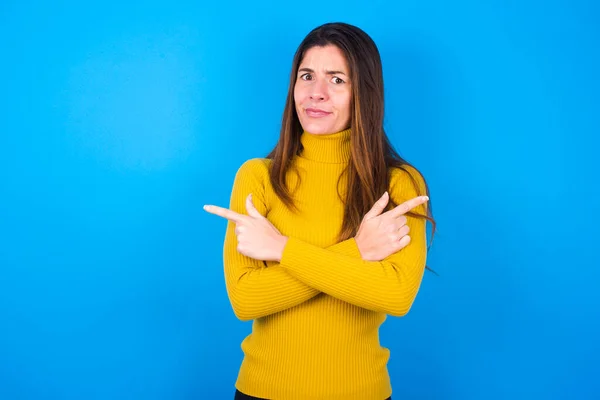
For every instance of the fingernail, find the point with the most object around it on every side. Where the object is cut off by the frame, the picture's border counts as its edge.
(426, 198)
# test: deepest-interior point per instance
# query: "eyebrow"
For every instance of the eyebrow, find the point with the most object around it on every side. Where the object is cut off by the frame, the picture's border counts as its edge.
(327, 72)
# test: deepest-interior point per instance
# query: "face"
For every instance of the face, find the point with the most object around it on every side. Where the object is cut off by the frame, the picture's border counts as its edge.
(322, 92)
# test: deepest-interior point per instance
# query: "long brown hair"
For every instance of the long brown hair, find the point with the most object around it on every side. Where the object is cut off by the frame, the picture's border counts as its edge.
(372, 154)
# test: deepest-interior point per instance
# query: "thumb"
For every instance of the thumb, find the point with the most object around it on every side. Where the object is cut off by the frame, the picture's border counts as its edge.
(252, 211)
(378, 207)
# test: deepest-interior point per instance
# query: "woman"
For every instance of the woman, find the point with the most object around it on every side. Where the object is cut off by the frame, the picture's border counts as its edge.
(313, 252)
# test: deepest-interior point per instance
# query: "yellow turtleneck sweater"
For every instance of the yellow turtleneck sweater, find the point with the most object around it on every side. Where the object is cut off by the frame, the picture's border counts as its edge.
(317, 313)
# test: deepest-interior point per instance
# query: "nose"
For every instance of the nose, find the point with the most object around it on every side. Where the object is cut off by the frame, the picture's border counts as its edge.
(319, 90)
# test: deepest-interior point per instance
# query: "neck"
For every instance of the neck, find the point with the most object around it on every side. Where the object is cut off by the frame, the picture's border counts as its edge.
(331, 148)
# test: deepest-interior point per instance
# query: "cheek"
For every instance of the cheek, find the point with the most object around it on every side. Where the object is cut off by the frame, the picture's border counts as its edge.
(344, 103)
(298, 94)
(348, 101)
(297, 97)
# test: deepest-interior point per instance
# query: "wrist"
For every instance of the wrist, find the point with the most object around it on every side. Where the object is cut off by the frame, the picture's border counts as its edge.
(358, 246)
(282, 242)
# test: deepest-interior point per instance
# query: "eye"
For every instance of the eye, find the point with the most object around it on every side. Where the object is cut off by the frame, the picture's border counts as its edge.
(306, 77)
(338, 81)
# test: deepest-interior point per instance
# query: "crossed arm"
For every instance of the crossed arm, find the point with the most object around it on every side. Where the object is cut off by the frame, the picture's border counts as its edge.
(305, 270)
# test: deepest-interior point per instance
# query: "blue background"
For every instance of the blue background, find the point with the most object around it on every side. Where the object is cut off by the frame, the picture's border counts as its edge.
(118, 122)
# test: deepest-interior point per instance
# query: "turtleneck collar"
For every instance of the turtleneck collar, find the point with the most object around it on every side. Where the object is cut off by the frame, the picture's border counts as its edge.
(332, 148)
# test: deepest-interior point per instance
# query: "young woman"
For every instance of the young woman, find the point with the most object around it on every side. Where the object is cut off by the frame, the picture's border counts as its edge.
(327, 234)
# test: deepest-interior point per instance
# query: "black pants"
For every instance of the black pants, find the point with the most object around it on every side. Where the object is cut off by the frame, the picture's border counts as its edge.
(241, 396)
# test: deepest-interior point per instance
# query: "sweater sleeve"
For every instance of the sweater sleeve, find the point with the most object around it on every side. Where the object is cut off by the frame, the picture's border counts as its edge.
(254, 289)
(389, 285)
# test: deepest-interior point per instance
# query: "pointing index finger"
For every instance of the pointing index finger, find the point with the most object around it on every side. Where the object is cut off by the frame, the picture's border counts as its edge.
(408, 205)
(225, 213)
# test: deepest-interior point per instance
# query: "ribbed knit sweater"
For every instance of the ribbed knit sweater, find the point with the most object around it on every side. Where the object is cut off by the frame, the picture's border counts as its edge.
(317, 313)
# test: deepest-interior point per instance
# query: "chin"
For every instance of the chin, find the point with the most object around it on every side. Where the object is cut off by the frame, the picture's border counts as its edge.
(319, 129)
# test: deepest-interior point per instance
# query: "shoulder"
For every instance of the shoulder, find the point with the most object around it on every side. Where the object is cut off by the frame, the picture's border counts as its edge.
(407, 178)
(406, 182)
(254, 167)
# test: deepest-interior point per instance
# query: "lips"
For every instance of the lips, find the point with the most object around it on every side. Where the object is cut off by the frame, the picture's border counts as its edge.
(316, 112)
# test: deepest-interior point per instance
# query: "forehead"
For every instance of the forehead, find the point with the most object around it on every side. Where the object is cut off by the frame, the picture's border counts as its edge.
(324, 57)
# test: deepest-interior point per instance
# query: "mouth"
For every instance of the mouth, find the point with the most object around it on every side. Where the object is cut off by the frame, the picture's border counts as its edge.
(316, 112)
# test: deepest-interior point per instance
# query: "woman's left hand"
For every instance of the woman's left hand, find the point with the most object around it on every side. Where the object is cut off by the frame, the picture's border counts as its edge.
(257, 237)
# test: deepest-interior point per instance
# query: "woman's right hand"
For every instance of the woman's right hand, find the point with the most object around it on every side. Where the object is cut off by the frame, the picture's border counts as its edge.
(380, 236)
